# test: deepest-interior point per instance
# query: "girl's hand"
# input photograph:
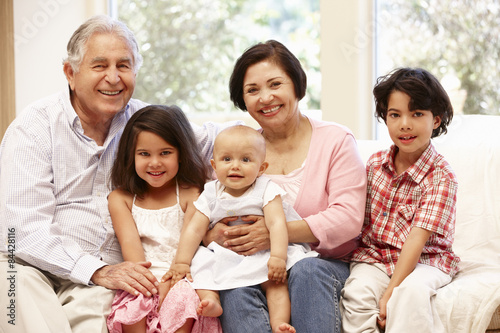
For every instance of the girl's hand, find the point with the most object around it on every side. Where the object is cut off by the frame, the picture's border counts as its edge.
(248, 239)
(177, 272)
(277, 269)
(163, 290)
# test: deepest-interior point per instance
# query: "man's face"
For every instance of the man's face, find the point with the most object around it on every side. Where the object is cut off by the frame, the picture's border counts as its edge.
(105, 81)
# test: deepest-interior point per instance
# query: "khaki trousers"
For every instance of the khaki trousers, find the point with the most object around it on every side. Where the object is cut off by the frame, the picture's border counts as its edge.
(32, 300)
(410, 308)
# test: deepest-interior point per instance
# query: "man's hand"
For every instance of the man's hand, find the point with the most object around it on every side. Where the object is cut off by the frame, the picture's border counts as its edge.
(133, 278)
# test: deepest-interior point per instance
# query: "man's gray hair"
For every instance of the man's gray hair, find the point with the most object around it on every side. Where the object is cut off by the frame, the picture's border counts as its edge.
(77, 45)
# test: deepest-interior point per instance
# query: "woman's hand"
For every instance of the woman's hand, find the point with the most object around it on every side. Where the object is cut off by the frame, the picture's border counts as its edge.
(218, 232)
(248, 239)
(245, 239)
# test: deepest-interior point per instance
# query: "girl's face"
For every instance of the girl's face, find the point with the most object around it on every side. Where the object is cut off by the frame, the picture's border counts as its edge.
(156, 161)
(269, 94)
(410, 131)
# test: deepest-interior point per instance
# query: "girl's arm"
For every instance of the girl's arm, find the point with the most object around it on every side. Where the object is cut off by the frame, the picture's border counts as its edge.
(278, 234)
(408, 259)
(120, 205)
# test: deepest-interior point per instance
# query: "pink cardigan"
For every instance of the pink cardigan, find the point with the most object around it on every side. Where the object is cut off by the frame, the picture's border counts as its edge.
(332, 196)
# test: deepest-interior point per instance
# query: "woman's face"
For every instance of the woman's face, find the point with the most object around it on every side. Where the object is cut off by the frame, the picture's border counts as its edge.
(269, 94)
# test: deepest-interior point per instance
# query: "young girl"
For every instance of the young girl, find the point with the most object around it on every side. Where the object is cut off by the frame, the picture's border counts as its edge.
(158, 173)
(239, 161)
(406, 252)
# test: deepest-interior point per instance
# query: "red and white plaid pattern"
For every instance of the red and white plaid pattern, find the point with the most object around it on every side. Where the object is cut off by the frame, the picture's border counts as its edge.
(423, 196)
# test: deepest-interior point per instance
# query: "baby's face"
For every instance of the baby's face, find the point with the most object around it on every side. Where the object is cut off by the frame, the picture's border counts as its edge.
(237, 163)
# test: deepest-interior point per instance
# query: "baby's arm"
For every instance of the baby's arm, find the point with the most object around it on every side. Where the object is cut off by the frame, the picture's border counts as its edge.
(408, 259)
(192, 233)
(278, 234)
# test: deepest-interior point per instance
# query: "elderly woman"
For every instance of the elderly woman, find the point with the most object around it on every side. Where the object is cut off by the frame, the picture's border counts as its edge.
(318, 164)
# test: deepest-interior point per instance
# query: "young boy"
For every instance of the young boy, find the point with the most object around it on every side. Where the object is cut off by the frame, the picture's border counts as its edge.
(405, 253)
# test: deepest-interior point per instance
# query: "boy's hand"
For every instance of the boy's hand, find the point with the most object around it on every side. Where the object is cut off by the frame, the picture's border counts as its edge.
(383, 310)
(277, 269)
(177, 272)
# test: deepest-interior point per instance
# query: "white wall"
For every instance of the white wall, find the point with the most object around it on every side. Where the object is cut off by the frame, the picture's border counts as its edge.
(42, 29)
(347, 64)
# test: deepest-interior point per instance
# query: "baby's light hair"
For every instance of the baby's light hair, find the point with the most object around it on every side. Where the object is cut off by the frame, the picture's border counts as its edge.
(227, 133)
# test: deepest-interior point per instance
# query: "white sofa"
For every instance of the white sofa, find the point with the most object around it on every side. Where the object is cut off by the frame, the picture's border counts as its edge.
(471, 302)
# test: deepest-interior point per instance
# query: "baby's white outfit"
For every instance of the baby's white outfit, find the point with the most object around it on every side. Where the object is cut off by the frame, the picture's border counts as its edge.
(217, 268)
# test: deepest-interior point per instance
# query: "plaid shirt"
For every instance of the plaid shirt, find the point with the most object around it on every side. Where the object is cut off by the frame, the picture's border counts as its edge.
(423, 196)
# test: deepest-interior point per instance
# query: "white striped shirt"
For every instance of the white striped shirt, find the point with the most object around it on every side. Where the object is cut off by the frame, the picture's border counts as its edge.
(54, 183)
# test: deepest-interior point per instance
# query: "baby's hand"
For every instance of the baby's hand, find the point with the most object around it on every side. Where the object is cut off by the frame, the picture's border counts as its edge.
(277, 269)
(177, 272)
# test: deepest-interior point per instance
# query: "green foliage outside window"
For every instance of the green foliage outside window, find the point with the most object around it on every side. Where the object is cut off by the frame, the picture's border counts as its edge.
(450, 38)
(190, 46)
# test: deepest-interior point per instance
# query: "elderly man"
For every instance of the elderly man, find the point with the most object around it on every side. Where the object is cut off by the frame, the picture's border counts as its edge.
(60, 259)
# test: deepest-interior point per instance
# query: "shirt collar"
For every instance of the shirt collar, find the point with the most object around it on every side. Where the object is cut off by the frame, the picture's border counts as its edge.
(419, 169)
(73, 119)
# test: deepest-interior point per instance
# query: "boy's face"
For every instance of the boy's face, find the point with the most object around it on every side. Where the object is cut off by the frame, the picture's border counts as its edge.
(410, 131)
(237, 162)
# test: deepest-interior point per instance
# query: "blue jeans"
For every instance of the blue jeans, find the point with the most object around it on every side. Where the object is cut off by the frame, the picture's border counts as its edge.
(314, 286)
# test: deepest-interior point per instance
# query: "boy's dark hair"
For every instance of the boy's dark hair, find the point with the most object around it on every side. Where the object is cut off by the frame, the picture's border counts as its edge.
(425, 91)
(276, 53)
(170, 123)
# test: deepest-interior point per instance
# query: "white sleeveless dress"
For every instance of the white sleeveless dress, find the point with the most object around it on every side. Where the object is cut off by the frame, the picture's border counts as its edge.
(160, 230)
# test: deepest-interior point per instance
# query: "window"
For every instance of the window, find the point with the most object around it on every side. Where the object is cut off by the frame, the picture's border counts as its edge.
(190, 46)
(7, 94)
(455, 40)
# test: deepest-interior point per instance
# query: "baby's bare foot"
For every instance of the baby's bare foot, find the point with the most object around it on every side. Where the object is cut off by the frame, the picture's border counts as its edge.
(285, 328)
(210, 308)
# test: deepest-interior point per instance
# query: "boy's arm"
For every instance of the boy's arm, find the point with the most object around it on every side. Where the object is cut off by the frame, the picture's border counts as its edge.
(278, 234)
(408, 259)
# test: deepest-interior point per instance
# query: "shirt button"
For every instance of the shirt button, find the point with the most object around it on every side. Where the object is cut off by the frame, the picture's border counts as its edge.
(384, 214)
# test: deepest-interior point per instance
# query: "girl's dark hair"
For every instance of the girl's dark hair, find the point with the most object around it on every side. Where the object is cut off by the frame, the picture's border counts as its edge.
(170, 123)
(275, 52)
(425, 91)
